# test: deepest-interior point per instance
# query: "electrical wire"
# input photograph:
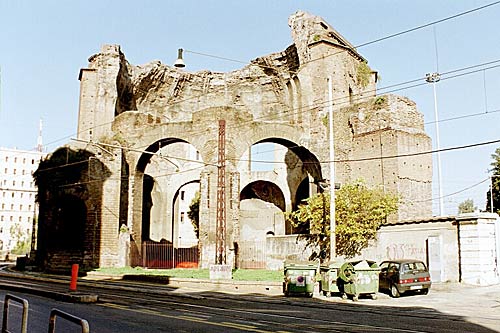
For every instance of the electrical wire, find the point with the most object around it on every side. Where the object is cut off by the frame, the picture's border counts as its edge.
(379, 39)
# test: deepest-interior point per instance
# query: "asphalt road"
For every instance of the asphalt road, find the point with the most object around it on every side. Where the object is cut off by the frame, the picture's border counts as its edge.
(139, 307)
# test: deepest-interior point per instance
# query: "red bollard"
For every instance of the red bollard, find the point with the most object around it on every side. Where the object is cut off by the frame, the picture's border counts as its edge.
(74, 277)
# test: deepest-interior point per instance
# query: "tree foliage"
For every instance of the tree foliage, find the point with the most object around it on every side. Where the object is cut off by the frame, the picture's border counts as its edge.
(194, 213)
(359, 213)
(22, 240)
(467, 207)
(495, 181)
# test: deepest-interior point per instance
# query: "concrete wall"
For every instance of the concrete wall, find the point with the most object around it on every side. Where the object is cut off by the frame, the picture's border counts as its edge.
(479, 244)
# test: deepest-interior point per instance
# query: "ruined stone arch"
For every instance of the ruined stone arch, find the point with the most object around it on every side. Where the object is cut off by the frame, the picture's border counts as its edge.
(266, 191)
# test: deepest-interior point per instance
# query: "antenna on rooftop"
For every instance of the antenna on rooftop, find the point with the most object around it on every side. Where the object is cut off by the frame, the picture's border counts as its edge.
(39, 146)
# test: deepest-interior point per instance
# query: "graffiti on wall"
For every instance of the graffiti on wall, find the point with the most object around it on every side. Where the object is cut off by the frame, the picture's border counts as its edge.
(400, 251)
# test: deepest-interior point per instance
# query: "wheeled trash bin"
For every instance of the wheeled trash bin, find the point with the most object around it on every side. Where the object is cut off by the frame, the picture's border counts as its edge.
(359, 278)
(299, 277)
(329, 275)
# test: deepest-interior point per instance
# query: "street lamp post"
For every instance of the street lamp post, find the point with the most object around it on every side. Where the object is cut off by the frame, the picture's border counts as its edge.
(434, 78)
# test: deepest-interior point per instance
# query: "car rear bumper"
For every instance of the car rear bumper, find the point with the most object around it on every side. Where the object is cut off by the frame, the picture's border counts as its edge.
(414, 286)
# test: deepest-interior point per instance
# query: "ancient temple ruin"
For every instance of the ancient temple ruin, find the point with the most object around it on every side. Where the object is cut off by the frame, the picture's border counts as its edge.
(155, 130)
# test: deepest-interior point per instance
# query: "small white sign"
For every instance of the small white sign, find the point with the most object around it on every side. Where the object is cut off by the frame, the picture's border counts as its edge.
(220, 272)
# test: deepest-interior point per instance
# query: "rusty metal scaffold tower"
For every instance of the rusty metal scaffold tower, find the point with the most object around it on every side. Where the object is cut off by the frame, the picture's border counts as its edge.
(220, 256)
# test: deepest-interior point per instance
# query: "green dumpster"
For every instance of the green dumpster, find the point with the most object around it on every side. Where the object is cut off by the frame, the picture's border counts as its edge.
(299, 277)
(329, 275)
(359, 278)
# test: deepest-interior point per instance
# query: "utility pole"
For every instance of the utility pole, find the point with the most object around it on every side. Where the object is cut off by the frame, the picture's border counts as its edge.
(220, 256)
(435, 78)
(333, 245)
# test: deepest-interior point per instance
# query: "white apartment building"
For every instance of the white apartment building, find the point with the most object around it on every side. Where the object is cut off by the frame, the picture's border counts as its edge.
(17, 196)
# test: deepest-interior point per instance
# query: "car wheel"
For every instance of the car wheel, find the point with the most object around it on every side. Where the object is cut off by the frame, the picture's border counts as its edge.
(374, 296)
(394, 291)
(355, 298)
(310, 295)
(325, 293)
(425, 291)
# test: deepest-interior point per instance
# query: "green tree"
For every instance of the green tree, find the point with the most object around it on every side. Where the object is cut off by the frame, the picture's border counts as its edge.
(495, 182)
(359, 213)
(22, 240)
(467, 207)
(194, 213)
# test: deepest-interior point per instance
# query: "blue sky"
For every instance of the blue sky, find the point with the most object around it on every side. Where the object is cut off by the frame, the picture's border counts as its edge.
(45, 43)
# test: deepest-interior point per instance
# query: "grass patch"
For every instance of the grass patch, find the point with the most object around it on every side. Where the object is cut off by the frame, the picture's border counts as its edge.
(238, 274)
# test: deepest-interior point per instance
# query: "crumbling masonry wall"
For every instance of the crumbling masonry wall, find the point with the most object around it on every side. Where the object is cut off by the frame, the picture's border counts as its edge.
(281, 98)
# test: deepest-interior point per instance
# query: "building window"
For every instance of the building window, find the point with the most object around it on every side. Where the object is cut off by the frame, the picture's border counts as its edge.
(24, 172)
(15, 159)
(3, 206)
(182, 217)
(32, 161)
(6, 158)
(15, 171)
(29, 208)
(13, 183)
(22, 183)
(11, 206)
(24, 160)
(12, 194)
(20, 219)
(20, 207)
(182, 195)
(5, 171)
(11, 219)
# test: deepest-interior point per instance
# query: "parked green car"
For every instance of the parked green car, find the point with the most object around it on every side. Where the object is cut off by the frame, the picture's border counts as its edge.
(403, 275)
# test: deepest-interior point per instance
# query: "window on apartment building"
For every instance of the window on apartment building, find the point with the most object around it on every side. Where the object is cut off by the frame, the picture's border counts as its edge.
(15, 171)
(15, 159)
(11, 206)
(12, 194)
(29, 208)
(20, 207)
(5, 171)
(24, 172)
(24, 160)
(29, 218)
(22, 194)
(3, 206)
(22, 183)
(1, 219)
(182, 217)
(32, 161)
(197, 155)
(6, 158)
(5, 181)
(20, 219)
(182, 195)
(13, 183)
(11, 218)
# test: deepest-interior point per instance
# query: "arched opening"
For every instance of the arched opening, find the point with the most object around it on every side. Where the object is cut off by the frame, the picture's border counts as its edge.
(171, 174)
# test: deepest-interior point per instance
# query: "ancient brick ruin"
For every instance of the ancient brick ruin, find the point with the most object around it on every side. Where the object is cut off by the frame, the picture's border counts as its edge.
(154, 128)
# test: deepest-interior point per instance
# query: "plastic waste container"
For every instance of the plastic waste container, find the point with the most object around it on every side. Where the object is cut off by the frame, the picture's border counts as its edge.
(299, 277)
(359, 278)
(329, 275)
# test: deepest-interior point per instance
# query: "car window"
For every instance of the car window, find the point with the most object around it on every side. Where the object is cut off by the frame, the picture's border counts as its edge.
(393, 267)
(414, 266)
